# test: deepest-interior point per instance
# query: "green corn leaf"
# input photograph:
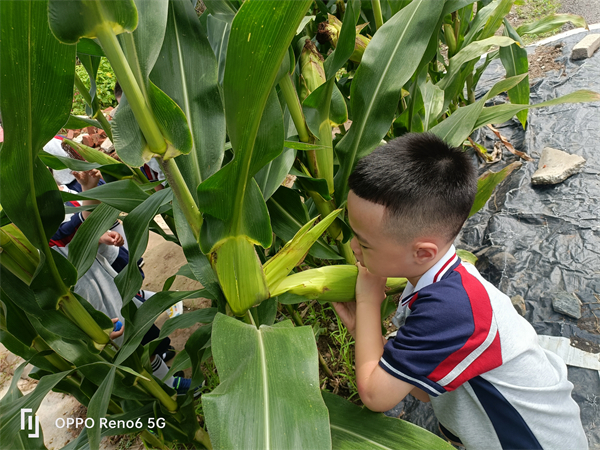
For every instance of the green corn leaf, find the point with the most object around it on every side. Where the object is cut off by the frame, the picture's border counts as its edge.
(488, 182)
(136, 225)
(469, 53)
(278, 267)
(303, 146)
(270, 177)
(455, 129)
(14, 321)
(514, 60)
(204, 315)
(308, 183)
(270, 378)
(218, 35)
(433, 99)
(551, 23)
(84, 246)
(146, 315)
(24, 298)
(197, 261)
(187, 71)
(63, 162)
(466, 256)
(288, 214)
(502, 113)
(396, 48)
(196, 348)
(123, 195)
(10, 413)
(270, 135)
(236, 215)
(346, 40)
(78, 122)
(30, 117)
(356, 428)
(91, 65)
(248, 81)
(89, 47)
(71, 20)
(98, 406)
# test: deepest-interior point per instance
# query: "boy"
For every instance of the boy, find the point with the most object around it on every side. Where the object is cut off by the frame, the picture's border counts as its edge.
(462, 346)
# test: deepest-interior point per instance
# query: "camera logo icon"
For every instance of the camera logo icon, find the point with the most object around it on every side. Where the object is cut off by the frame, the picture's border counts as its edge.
(30, 416)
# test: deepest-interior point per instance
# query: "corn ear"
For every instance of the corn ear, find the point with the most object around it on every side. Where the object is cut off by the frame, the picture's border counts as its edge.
(330, 32)
(311, 69)
(17, 254)
(329, 284)
(240, 273)
(278, 267)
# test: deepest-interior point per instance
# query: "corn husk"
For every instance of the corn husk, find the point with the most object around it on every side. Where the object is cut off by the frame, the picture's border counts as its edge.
(240, 273)
(17, 254)
(329, 284)
(312, 72)
(278, 267)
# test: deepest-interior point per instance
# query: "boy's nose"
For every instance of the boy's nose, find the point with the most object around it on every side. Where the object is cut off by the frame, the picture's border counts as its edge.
(354, 246)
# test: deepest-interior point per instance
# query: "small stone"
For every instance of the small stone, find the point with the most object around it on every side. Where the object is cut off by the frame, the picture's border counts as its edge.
(70, 134)
(556, 166)
(502, 260)
(567, 303)
(586, 47)
(107, 144)
(519, 304)
(87, 140)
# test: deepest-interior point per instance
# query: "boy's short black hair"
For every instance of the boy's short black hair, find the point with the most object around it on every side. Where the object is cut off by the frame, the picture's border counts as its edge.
(426, 186)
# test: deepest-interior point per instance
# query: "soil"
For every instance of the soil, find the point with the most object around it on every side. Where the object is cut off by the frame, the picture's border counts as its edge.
(544, 60)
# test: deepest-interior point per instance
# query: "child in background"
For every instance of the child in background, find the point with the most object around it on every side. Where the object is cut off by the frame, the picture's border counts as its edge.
(462, 345)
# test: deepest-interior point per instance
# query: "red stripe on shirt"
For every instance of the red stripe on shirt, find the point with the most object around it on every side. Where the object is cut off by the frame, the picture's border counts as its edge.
(413, 300)
(482, 318)
(488, 360)
(443, 267)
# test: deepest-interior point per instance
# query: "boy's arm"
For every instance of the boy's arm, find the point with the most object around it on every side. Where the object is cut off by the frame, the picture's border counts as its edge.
(378, 390)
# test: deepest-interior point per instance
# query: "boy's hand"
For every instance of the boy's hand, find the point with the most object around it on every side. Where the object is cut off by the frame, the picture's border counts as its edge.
(369, 288)
(116, 334)
(347, 312)
(112, 238)
(88, 179)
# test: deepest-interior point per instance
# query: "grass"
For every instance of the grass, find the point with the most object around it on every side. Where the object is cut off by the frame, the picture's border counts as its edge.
(532, 10)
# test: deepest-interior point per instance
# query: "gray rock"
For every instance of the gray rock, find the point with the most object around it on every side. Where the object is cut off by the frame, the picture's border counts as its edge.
(566, 303)
(502, 260)
(556, 166)
(519, 304)
(586, 47)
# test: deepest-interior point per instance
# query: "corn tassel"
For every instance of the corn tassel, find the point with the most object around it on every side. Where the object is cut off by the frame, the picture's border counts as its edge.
(330, 32)
(329, 284)
(278, 267)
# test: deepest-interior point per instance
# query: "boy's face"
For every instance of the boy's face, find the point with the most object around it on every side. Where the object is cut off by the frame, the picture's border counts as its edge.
(375, 248)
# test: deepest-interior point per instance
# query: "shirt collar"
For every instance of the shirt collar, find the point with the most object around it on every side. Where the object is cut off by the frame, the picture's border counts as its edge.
(433, 275)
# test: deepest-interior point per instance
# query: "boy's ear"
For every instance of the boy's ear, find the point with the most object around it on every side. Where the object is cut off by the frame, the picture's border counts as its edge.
(425, 252)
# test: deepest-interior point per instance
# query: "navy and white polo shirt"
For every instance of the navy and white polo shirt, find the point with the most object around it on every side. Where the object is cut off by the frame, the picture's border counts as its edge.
(489, 381)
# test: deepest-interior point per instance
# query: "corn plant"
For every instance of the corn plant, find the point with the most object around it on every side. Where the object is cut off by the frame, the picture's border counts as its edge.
(229, 104)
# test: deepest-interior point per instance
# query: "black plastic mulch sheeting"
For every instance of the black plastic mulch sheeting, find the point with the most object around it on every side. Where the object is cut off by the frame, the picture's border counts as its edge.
(536, 241)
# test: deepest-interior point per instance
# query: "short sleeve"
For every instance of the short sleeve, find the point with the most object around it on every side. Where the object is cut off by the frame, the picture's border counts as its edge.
(442, 339)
